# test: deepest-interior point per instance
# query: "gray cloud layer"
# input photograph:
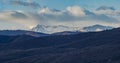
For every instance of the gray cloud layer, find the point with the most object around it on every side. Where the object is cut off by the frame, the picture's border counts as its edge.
(25, 3)
(105, 8)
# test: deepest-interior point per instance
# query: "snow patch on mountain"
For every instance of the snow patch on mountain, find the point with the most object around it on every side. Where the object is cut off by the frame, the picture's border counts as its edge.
(60, 28)
(53, 29)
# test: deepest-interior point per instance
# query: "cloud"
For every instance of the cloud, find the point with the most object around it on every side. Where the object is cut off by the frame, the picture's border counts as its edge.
(74, 13)
(111, 12)
(74, 16)
(71, 16)
(25, 3)
(18, 17)
(105, 8)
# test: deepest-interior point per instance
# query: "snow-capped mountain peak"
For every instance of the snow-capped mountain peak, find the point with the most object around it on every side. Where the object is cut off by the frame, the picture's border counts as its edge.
(61, 28)
(53, 29)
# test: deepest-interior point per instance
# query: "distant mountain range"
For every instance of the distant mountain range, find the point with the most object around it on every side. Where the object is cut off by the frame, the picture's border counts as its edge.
(90, 47)
(42, 30)
(61, 28)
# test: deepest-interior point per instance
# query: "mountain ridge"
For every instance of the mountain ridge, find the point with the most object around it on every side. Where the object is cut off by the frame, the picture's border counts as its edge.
(61, 28)
(90, 47)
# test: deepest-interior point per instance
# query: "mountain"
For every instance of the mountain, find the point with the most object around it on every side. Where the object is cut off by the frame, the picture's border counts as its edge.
(53, 29)
(60, 28)
(91, 47)
(21, 32)
(97, 28)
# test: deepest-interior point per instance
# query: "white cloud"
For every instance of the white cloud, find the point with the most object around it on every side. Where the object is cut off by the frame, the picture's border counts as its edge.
(76, 11)
(46, 10)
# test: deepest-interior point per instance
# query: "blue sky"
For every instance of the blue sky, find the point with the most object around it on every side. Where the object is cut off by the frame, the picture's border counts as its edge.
(62, 4)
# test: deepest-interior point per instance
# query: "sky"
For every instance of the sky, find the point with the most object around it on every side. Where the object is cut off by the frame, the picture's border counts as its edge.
(60, 4)
(25, 14)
